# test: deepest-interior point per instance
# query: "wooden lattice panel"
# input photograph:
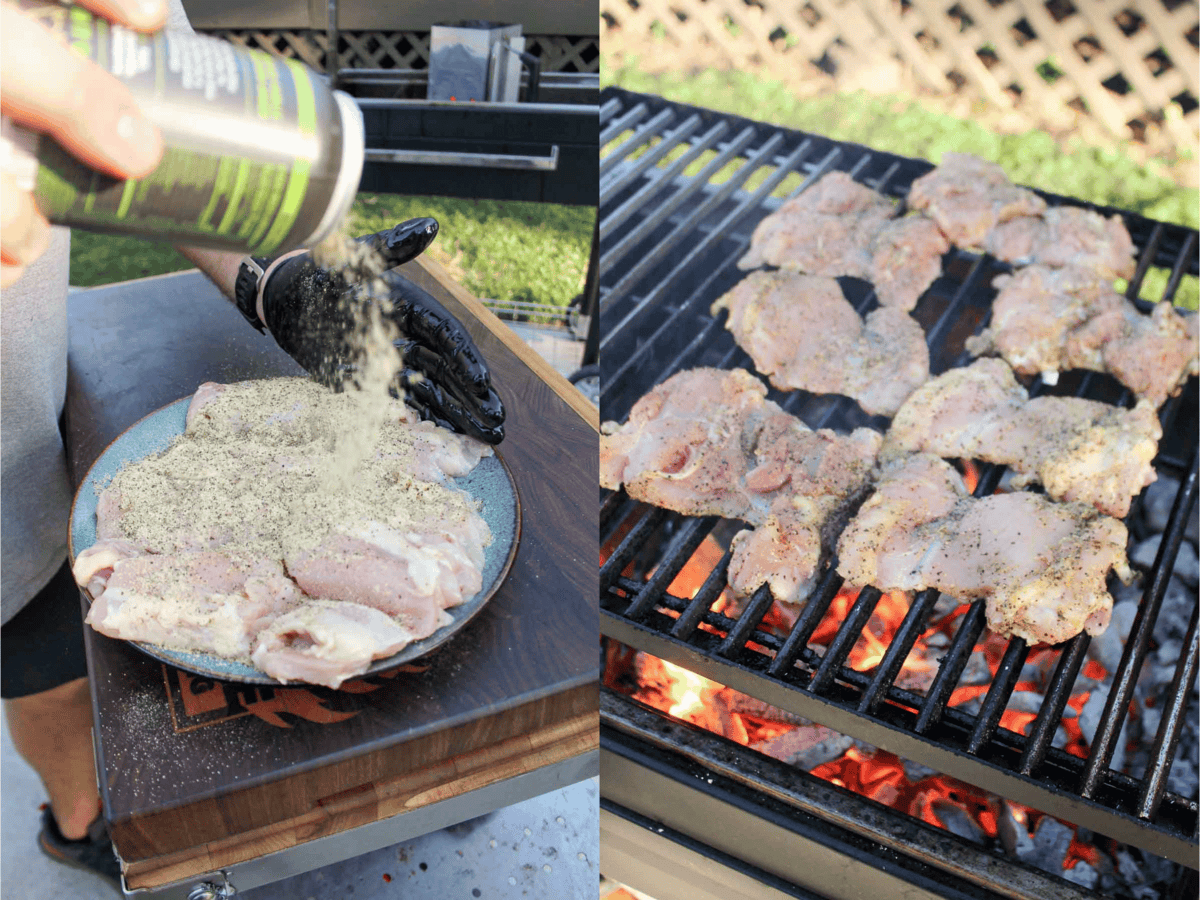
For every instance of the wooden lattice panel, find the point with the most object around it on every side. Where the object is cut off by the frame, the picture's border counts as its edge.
(1126, 63)
(403, 49)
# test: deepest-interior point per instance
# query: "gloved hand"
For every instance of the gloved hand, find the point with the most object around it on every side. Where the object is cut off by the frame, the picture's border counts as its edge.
(313, 312)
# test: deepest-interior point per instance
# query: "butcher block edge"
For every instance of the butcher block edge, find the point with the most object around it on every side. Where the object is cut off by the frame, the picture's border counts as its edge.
(320, 803)
(587, 411)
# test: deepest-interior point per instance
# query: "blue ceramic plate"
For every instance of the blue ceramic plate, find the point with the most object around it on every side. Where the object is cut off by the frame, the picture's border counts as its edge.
(490, 483)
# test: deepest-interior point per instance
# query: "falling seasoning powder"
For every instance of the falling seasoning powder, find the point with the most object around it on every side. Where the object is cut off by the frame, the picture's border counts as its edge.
(267, 469)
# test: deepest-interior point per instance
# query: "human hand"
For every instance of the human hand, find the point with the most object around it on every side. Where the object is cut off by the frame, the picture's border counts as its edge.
(313, 313)
(47, 87)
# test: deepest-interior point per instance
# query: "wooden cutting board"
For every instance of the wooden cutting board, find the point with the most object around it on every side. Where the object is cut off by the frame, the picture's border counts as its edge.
(196, 774)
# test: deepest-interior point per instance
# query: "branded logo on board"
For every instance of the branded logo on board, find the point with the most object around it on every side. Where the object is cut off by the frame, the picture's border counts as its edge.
(198, 702)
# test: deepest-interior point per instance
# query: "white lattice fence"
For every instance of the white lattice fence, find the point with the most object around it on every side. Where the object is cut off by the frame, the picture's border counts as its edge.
(1125, 63)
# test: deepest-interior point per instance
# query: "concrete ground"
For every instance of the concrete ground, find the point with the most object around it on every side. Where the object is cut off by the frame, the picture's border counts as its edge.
(546, 847)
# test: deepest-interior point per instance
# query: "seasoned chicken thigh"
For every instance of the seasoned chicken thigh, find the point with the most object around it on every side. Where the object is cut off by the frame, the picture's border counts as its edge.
(1041, 565)
(708, 442)
(1048, 320)
(802, 333)
(826, 230)
(1066, 236)
(967, 197)
(1079, 450)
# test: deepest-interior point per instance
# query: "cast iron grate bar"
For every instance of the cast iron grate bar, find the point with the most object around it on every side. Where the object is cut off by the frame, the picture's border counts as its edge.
(961, 647)
(810, 617)
(1138, 643)
(749, 620)
(690, 618)
(1171, 726)
(660, 182)
(1070, 661)
(683, 335)
(655, 294)
(641, 136)
(663, 212)
(1177, 270)
(998, 695)
(608, 109)
(630, 544)
(615, 381)
(845, 639)
(690, 537)
(619, 181)
(898, 649)
(631, 118)
(1145, 257)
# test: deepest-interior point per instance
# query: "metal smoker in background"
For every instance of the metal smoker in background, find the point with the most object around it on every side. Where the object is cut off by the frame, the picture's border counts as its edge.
(480, 61)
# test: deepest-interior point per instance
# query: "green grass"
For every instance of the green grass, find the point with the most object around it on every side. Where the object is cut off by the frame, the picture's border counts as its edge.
(499, 250)
(507, 251)
(903, 126)
(102, 259)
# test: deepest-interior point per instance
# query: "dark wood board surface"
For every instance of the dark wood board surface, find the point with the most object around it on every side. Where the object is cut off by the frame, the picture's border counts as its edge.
(184, 761)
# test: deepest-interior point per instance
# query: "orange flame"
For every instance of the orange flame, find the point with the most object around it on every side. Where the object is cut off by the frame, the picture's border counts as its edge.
(688, 691)
(970, 475)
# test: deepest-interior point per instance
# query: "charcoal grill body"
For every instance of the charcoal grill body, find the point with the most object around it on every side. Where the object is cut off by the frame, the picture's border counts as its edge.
(669, 242)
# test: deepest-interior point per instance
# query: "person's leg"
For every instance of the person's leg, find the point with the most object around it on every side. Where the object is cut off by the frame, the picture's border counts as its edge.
(47, 702)
(52, 731)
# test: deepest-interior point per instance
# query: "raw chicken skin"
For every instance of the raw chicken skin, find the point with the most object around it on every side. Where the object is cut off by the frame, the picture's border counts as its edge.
(802, 333)
(825, 230)
(93, 566)
(1067, 236)
(191, 601)
(967, 197)
(707, 442)
(411, 576)
(1041, 565)
(1080, 450)
(1048, 320)
(326, 642)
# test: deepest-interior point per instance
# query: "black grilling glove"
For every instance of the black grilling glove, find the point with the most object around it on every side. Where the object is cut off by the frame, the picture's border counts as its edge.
(310, 311)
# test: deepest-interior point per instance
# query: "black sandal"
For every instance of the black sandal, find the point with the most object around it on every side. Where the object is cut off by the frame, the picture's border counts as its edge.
(93, 853)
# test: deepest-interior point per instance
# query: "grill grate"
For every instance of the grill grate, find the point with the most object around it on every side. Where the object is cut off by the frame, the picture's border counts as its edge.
(669, 241)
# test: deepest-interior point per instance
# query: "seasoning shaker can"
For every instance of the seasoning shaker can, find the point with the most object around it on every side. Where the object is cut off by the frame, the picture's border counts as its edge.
(260, 155)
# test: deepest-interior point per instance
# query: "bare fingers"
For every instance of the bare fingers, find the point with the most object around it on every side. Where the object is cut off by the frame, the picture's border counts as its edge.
(87, 110)
(24, 233)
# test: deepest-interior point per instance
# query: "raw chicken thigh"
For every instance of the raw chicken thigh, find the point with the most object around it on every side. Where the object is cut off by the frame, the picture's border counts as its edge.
(708, 442)
(1077, 449)
(1041, 565)
(802, 333)
(292, 527)
(1048, 320)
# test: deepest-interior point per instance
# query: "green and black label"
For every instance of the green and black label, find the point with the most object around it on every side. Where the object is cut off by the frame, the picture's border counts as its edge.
(246, 137)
